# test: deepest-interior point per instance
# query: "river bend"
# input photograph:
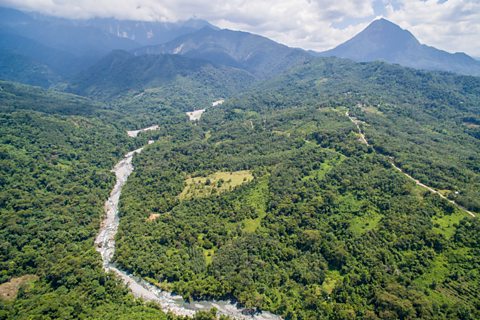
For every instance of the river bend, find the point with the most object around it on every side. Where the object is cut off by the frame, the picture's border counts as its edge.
(105, 245)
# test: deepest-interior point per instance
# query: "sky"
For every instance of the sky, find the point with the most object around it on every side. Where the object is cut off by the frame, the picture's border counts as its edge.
(451, 25)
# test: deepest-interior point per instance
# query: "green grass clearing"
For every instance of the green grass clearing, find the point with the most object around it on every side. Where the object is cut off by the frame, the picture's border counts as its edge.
(437, 273)
(214, 183)
(208, 135)
(332, 277)
(325, 167)
(362, 224)
(371, 109)
(281, 133)
(446, 224)
(208, 254)
(257, 198)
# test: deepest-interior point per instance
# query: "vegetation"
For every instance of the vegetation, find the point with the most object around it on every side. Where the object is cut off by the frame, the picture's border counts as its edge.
(214, 183)
(55, 179)
(327, 229)
(313, 224)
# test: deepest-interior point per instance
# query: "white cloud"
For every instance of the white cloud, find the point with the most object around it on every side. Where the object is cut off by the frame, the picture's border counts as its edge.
(312, 24)
(453, 25)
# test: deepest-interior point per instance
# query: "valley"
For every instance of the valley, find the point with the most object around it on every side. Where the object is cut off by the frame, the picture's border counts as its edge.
(172, 169)
(105, 243)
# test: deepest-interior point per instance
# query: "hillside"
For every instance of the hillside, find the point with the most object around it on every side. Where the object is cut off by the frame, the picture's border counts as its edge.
(121, 73)
(28, 61)
(327, 226)
(385, 41)
(45, 50)
(426, 120)
(222, 169)
(258, 55)
(56, 156)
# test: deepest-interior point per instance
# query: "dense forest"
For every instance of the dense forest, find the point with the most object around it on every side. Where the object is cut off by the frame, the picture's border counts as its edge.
(56, 153)
(326, 229)
(270, 199)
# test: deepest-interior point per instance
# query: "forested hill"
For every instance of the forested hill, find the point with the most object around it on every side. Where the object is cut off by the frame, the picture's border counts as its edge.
(56, 153)
(272, 198)
(16, 97)
(258, 55)
(383, 40)
(427, 121)
(121, 73)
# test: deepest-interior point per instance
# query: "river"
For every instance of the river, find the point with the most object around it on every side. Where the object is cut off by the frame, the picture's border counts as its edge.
(105, 245)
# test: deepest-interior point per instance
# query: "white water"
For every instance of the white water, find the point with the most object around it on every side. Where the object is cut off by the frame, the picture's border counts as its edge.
(105, 245)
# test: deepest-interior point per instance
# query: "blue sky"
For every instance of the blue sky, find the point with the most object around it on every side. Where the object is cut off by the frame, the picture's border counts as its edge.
(452, 25)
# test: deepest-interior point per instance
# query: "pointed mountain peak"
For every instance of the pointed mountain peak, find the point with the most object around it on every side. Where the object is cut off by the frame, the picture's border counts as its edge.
(383, 22)
(387, 32)
(384, 40)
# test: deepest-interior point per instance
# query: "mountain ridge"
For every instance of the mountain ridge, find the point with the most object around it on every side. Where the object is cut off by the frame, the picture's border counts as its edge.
(256, 54)
(121, 72)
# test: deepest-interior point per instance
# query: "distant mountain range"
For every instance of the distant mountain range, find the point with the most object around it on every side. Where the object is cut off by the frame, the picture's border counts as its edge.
(258, 55)
(49, 51)
(385, 41)
(54, 48)
(121, 73)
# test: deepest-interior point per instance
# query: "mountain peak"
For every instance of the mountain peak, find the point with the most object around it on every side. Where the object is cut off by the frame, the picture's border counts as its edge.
(385, 41)
(388, 34)
(385, 22)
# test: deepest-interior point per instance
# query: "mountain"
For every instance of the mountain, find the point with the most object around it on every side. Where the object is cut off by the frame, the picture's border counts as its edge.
(147, 33)
(28, 61)
(121, 72)
(65, 47)
(62, 34)
(256, 54)
(324, 213)
(97, 35)
(386, 41)
(18, 68)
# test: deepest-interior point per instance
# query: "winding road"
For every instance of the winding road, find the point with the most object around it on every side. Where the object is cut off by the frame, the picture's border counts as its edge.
(105, 245)
(363, 140)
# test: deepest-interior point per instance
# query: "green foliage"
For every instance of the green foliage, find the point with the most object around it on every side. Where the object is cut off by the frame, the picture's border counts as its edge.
(121, 74)
(327, 227)
(55, 177)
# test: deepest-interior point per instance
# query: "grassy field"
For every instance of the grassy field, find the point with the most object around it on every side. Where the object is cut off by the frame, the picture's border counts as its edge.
(446, 224)
(325, 167)
(214, 183)
(362, 224)
(208, 254)
(331, 279)
(9, 290)
(257, 198)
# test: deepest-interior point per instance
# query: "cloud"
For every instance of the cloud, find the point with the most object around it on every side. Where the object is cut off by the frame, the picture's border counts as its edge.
(453, 25)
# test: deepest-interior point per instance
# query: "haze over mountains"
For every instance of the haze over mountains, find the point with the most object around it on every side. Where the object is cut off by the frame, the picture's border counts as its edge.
(121, 72)
(49, 51)
(56, 48)
(258, 55)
